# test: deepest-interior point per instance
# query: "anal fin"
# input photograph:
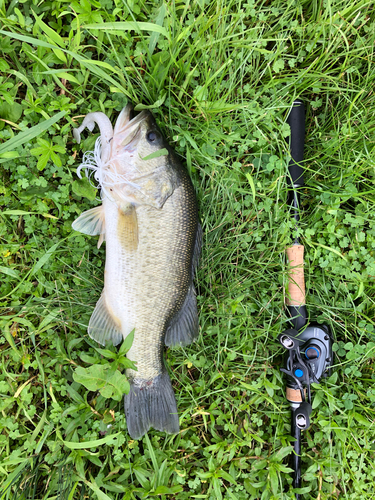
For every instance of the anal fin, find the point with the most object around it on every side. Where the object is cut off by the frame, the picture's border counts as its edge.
(184, 328)
(102, 326)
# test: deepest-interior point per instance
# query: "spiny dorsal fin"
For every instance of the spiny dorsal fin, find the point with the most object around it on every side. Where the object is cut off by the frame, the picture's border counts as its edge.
(91, 222)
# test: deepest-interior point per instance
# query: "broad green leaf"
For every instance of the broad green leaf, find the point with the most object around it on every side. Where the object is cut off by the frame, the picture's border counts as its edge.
(16, 212)
(95, 488)
(4, 66)
(11, 112)
(142, 478)
(116, 387)
(93, 378)
(99, 378)
(62, 74)
(23, 212)
(360, 290)
(155, 35)
(43, 160)
(282, 453)
(252, 185)
(302, 491)
(24, 79)
(164, 490)
(82, 187)
(56, 159)
(9, 155)
(227, 477)
(157, 104)
(362, 420)
(127, 343)
(274, 480)
(106, 353)
(28, 39)
(152, 453)
(60, 54)
(49, 318)
(249, 487)
(156, 154)
(340, 432)
(38, 428)
(216, 484)
(318, 398)
(44, 258)
(10, 272)
(55, 37)
(20, 16)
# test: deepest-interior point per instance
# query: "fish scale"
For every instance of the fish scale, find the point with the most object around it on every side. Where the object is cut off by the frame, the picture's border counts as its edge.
(165, 248)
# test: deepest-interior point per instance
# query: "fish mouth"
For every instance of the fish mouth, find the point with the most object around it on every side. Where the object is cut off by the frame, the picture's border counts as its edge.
(111, 163)
(127, 130)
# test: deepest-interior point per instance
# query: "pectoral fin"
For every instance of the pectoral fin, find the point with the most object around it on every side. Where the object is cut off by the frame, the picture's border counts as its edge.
(91, 222)
(127, 228)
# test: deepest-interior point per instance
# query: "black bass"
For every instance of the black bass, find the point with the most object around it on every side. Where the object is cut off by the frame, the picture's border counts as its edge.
(149, 220)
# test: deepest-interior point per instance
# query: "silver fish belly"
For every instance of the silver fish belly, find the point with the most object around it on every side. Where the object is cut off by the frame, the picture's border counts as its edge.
(153, 241)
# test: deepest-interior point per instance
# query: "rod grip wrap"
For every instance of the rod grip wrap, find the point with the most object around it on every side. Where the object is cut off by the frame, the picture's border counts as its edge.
(296, 278)
(296, 121)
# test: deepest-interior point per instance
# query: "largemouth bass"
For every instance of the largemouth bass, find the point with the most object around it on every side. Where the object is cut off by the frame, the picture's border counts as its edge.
(149, 220)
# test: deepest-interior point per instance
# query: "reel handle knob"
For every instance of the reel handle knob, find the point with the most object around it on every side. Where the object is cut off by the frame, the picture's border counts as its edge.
(302, 416)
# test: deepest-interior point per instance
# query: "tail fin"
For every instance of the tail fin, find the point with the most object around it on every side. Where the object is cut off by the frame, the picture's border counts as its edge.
(151, 403)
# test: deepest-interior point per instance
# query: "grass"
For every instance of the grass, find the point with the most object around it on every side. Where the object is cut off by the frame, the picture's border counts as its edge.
(220, 77)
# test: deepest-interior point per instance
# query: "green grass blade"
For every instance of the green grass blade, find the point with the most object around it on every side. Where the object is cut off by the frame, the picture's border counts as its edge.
(129, 26)
(29, 134)
(91, 444)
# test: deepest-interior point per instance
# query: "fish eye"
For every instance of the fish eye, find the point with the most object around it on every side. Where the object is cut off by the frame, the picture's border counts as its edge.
(151, 136)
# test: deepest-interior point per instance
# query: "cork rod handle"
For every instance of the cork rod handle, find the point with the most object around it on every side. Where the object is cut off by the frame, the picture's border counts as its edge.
(296, 278)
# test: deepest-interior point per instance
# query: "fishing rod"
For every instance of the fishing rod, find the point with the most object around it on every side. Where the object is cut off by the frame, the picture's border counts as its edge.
(308, 346)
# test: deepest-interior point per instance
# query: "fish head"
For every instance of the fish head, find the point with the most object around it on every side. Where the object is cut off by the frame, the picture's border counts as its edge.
(139, 170)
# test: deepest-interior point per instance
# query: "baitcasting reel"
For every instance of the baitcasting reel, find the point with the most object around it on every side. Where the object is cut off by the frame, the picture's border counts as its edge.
(307, 360)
